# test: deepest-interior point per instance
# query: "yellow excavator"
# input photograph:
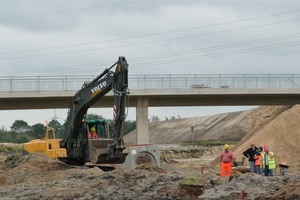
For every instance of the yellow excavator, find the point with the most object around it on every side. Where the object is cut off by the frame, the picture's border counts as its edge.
(76, 147)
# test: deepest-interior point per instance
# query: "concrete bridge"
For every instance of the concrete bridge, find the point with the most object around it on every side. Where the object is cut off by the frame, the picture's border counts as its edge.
(154, 91)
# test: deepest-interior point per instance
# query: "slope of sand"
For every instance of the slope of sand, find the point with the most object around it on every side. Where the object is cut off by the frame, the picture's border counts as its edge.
(276, 126)
(281, 135)
(227, 126)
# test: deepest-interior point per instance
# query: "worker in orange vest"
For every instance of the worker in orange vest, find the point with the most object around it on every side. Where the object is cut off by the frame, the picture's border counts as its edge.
(257, 159)
(93, 134)
(226, 161)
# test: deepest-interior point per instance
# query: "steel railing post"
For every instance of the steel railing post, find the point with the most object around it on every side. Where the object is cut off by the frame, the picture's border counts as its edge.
(38, 83)
(256, 82)
(293, 80)
(66, 82)
(186, 82)
(11, 83)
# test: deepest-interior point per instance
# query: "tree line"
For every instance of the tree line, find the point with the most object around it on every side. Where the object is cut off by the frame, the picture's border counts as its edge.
(21, 132)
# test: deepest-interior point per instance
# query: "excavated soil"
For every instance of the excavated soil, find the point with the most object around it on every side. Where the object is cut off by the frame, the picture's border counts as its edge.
(185, 172)
(38, 177)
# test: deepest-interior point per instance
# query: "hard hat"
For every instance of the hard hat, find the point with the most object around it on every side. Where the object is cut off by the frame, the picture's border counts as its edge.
(226, 146)
(93, 129)
(271, 153)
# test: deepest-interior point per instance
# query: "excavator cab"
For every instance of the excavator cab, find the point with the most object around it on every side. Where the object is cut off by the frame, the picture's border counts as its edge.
(97, 150)
(101, 126)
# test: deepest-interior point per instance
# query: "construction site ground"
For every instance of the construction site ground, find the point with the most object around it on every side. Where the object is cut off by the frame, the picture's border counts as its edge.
(182, 175)
(186, 172)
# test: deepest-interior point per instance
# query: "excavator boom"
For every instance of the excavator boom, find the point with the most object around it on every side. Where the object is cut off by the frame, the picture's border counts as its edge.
(103, 150)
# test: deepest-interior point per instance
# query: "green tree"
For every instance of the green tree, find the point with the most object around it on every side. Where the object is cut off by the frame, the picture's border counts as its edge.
(173, 117)
(38, 130)
(22, 138)
(154, 119)
(129, 126)
(94, 116)
(3, 129)
(58, 128)
(20, 126)
(4, 136)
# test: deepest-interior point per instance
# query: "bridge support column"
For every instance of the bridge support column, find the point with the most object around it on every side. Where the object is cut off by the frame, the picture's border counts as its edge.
(142, 130)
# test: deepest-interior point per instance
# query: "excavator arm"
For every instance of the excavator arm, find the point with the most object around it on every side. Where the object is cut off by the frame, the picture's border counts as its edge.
(120, 90)
(103, 150)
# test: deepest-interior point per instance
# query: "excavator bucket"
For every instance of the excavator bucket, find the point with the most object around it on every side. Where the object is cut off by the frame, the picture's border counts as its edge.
(98, 152)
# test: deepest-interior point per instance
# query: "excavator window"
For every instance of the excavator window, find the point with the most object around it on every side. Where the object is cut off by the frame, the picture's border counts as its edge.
(101, 126)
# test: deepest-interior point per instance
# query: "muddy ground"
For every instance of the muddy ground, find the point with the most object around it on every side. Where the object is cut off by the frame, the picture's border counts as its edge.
(185, 173)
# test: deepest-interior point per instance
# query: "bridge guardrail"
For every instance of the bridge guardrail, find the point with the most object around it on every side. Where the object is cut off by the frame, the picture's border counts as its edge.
(166, 81)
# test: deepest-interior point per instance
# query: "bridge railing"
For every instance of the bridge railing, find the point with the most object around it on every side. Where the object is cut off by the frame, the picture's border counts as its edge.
(216, 81)
(167, 81)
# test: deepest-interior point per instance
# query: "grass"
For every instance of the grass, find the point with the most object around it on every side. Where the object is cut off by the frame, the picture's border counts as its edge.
(8, 147)
(191, 181)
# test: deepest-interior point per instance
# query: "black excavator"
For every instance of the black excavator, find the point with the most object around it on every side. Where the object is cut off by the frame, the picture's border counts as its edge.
(76, 147)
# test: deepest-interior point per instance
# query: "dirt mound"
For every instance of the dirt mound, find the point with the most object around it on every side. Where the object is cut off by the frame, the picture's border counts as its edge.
(24, 169)
(31, 178)
(281, 135)
(37, 161)
(252, 185)
(289, 191)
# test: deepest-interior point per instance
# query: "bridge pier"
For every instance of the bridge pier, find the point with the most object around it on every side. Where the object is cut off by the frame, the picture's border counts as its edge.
(142, 128)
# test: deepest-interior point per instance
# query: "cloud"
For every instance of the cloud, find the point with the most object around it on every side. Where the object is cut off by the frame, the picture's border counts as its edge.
(83, 33)
(157, 37)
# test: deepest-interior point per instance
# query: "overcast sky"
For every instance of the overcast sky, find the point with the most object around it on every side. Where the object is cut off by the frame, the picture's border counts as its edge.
(52, 37)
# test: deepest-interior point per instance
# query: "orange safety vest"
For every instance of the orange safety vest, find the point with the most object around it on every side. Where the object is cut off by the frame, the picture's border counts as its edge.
(257, 160)
(93, 135)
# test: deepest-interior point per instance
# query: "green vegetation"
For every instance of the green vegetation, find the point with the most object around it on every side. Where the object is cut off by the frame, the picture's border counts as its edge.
(208, 143)
(191, 181)
(21, 132)
(10, 148)
(129, 126)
